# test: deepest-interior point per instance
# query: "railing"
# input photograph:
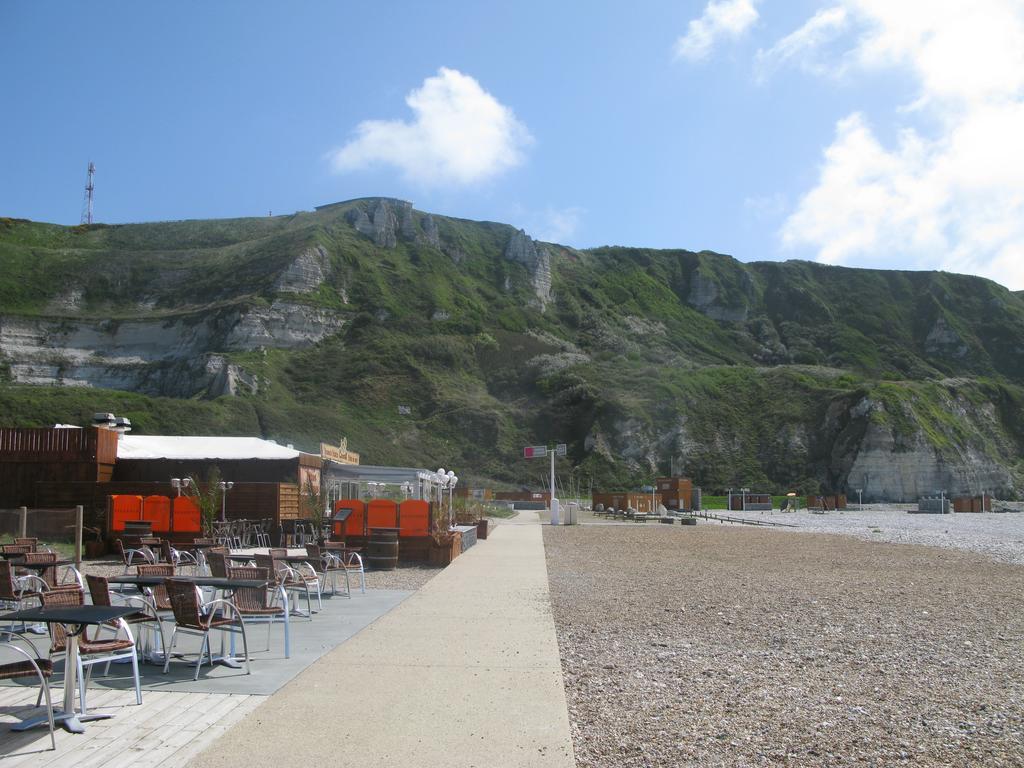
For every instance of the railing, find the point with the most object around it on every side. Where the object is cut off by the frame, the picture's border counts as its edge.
(48, 445)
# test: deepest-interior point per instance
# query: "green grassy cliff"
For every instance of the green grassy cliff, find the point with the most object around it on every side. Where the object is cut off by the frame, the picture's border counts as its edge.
(306, 327)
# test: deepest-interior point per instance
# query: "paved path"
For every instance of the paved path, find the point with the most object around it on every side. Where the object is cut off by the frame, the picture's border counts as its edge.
(466, 672)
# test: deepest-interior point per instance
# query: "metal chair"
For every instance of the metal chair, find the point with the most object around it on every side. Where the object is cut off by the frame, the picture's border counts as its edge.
(147, 618)
(286, 577)
(130, 557)
(193, 616)
(177, 557)
(351, 560)
(54, 582)
(31, 666)
(257, 603)
(331, 565)
(20, 591)
(91, 652)
(158, 593)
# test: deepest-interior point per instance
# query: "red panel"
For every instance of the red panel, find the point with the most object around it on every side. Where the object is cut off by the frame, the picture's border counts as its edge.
(355, 525)
(382, 513)
(124, 508)
(414, 516)
(157, 509)
(186, 515)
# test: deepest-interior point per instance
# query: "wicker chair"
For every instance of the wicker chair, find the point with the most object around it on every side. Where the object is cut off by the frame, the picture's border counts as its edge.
(31, 665)
(257, 604)
(217, 559)
(193, 616)
(331, 565)
(351, 560)
(131, 557)
(286, 577)
(49, 575)
(147, 618)
(17, 549)
(91, 652)
(20, 591)
(177, 557)
(158, 593)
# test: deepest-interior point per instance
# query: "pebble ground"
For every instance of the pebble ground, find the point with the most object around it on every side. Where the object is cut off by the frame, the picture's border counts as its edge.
(732, 646)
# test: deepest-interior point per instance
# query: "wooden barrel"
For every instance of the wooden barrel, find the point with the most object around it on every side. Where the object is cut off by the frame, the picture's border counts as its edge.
(382, 549)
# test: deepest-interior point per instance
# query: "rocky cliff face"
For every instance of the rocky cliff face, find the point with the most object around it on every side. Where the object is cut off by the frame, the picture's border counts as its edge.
(523, 249)
(385, 220)
(171, 356)
(306, 273)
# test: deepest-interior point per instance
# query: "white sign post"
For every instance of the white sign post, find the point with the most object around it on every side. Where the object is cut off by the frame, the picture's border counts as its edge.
(539, 451)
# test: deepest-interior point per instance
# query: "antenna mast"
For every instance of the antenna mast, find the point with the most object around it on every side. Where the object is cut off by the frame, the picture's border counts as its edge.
(89, 187)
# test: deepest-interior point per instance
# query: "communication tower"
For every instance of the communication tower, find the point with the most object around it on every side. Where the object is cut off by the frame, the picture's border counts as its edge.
(89, 187)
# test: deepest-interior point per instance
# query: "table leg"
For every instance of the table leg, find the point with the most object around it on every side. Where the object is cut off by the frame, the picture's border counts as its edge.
(66, 717)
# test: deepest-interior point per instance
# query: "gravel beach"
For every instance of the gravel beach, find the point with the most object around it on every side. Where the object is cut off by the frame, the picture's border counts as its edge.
(728, 645)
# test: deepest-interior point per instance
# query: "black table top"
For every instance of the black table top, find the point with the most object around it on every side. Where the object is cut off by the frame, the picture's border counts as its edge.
(283, 558)
(39, 566)
(71, 614)
(200, 581)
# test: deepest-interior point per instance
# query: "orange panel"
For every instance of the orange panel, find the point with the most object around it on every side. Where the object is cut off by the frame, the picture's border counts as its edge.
(382, 513)
(124, 508)
(186, 515)
(355, 525)
(414, 516)
(157, 509)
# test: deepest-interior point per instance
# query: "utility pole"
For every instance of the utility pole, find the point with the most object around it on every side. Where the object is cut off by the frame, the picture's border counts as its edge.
(89, 187)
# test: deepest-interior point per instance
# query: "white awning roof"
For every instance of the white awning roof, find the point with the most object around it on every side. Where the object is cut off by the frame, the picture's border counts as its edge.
(191, 448)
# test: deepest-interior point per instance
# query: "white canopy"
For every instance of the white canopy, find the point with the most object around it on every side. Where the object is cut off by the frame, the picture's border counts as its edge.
(190, 448)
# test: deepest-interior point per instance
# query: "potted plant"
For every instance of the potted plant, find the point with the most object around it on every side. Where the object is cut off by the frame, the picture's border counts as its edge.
(208, 500)
(313, 509)
(95, 547)
(445, 544)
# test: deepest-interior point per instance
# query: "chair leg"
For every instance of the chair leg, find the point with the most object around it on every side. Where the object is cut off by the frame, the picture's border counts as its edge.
(82, 683)
(138, 682)
(44, 690)
(245, 645)
(168, 649)
(287, 637)
(204, 648)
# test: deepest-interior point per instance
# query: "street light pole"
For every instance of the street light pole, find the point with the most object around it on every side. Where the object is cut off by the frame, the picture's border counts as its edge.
(224, 488)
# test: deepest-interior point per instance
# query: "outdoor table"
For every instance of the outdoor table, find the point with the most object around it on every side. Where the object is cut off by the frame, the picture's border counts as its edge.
(20, 563)
(76, 618)
(217, 582)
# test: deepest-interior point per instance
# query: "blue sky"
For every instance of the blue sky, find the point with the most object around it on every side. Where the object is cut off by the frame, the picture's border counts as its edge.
(855, 132)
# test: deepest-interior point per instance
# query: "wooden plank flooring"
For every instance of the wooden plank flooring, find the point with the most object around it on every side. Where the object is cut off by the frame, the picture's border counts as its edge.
(165, 732)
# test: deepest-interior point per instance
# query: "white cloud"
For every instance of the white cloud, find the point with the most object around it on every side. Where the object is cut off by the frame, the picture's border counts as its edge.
(949, 193)
(558, 225)
(459, 134)
(803, 45)
(721, 19)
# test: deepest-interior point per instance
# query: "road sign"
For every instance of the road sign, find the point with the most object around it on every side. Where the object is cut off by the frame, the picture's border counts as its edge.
(535, 451)
(560, 449)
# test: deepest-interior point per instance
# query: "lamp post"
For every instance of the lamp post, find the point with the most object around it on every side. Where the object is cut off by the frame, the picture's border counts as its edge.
(452, 480)
(180, 484)
(860, 505)
(224, 488)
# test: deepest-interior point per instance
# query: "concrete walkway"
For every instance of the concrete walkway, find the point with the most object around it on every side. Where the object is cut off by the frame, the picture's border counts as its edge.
(466, 672)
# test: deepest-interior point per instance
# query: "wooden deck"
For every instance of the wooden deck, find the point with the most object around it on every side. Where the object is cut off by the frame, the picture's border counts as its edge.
(169, 729)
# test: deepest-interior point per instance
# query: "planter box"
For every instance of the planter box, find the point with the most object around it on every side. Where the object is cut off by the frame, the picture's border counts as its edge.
(444, 554)
(481, 529)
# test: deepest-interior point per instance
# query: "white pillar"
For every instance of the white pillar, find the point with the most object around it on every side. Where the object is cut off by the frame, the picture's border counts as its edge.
(554, 501)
